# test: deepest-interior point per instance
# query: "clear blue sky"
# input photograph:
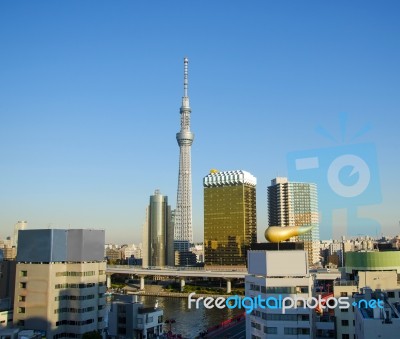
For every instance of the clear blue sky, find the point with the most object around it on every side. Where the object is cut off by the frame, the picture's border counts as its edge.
(90, 94)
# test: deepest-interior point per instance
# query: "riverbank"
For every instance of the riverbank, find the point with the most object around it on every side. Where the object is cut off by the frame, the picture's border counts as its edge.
(176, 294)
(151, 290)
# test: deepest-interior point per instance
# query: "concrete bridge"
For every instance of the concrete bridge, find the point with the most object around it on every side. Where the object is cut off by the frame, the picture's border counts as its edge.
(179, 272)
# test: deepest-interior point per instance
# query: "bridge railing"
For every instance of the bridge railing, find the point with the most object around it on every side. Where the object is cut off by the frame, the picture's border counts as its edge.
(184, 268)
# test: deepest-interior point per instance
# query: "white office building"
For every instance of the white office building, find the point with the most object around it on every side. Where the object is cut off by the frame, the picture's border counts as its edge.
(279, 274)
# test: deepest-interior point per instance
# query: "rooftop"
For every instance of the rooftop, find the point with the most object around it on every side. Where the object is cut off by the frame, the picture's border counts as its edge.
(144, 310)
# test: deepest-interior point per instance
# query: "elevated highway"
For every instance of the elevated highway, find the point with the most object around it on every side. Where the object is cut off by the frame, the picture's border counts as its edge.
(180, 273)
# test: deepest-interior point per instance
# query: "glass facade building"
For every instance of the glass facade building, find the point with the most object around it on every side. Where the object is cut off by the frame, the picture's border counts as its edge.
(158, 233)
(296, 204)
(230, 225)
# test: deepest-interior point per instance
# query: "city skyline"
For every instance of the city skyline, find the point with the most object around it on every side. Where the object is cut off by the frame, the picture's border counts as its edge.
(88, 110)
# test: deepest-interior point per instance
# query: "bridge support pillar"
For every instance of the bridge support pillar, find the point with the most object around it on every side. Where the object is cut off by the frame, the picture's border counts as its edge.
(141, 282)
(182, 284)
(228, 286)
(108, 280)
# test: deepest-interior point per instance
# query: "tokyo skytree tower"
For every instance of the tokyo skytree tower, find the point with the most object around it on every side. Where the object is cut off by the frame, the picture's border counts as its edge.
(183, 214)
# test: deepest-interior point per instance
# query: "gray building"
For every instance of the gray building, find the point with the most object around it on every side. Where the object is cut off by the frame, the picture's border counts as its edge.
(158, 233)
(7, 280)
(60, 282)
(19, 226)
(130, 319)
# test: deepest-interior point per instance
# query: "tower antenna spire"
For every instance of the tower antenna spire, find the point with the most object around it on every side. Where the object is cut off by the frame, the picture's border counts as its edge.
(185, 76)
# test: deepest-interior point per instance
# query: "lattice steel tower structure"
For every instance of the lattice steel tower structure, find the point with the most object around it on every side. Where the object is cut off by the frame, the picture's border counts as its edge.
(183, 214)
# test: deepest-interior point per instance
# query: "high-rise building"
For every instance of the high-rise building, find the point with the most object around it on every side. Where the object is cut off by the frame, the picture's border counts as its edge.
(230, 225)
(183, 213)
(19, 226)
(60, 282)
(7, 250)
(158, 233)
(296, 204)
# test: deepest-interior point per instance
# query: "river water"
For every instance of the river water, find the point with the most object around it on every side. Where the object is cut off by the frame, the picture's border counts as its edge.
(188, 322)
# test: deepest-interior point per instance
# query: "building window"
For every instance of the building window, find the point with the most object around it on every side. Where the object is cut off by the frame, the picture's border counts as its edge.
(300, 304)
(345, 336)
(21, 309)
(23, 273)
(345, 323)
(270, 330)
(303, 289)
(254, 287)
(343, 294)
(391, 294)
(22, 285)
(303, 331)
(290, 330)
(344, 310)
(21, 323)
(304, 317)
(21, 298)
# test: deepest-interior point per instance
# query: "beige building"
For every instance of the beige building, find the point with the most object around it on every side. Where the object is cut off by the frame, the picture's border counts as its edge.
(60, 297)
(60, 282)
(8, 251)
